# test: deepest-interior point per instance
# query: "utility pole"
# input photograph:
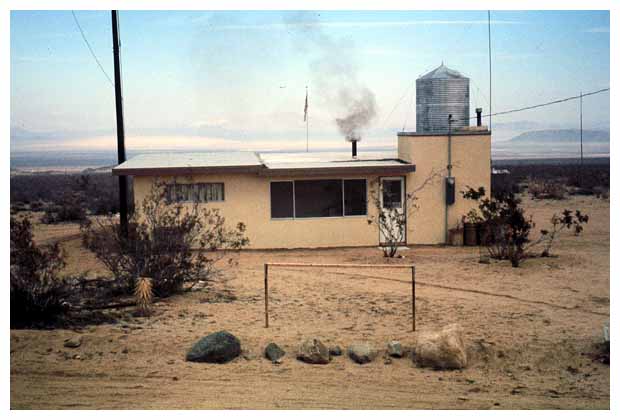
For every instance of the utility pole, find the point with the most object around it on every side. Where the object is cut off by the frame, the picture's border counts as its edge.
(307, 119)
(581, 135)
(490, 74)
(581, 124)
(120, 127)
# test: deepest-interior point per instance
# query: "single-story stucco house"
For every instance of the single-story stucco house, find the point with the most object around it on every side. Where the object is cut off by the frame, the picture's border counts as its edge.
(309, 200)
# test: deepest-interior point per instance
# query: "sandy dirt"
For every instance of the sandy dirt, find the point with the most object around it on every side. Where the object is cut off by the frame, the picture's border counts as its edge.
(528, 331)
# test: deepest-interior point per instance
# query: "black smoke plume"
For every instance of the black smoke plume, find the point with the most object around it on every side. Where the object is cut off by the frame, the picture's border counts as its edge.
(335, 76)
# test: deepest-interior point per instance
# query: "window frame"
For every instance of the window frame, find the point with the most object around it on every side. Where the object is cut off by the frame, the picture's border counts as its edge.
(365, 215)
(191, 186)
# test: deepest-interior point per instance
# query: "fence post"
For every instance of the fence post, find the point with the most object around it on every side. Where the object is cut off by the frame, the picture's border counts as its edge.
(413, 296)
(266, 296)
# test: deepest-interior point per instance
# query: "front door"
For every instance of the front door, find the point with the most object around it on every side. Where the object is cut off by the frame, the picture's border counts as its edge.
(393, 222)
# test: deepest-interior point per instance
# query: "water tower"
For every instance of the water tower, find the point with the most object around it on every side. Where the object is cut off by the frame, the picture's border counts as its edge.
(440, 93)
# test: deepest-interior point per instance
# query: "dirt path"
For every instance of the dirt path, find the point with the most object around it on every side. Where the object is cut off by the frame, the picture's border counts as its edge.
(528, 332)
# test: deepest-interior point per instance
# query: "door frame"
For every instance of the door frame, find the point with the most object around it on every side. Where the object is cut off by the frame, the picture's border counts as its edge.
(403, 193)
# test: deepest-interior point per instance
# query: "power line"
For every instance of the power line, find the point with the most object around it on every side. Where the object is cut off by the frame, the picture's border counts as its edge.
(410, 108)
(90, 48)
(557, 101)
(396, 106)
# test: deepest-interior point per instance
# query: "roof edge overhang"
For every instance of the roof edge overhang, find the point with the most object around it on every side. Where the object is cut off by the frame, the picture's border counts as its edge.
(444, 134)
(265, 171)
(194, 170)
(362, 170)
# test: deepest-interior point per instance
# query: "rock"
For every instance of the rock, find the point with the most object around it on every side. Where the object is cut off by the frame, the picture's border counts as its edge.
(73, 342)
(443, 349)
(314, 352)
(361, 353)
(335, 351)
(395, 349)
(219, 347)
(274, 353)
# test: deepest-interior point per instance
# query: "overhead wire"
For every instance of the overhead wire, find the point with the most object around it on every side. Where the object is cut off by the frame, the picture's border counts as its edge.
(410, 108)
(90, 48)
(385, 121)
(557, 101)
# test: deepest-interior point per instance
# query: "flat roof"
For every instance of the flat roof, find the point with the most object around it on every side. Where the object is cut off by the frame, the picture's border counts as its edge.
(264, 164)
(455, 133)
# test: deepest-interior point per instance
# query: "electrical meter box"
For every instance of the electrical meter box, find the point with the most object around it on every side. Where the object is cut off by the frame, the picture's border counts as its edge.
(450, 190)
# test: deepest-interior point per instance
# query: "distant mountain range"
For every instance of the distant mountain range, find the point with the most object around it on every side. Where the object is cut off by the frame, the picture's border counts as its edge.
(562, 136)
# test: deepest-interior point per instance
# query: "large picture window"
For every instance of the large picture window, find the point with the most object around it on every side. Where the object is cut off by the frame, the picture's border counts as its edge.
(354, 197)
(195, 193)
(318, 198)
(282, 200)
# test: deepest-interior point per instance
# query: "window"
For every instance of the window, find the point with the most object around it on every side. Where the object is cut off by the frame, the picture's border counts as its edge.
(354, 197)
(318, 198)
(197, 193)
(392, 196)
(282, 200)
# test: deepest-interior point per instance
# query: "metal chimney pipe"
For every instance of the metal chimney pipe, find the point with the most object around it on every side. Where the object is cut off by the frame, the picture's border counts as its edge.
(479, 117)
(354, 149)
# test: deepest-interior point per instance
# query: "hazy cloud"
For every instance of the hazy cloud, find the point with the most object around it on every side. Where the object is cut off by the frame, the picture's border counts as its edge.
(598, 29)
(358, 24)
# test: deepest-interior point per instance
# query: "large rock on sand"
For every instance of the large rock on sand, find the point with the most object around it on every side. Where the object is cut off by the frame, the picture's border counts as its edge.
(274, 353)
(219, 347)
(314, 352)
(443, 349)
(395, 349)
(361, 353)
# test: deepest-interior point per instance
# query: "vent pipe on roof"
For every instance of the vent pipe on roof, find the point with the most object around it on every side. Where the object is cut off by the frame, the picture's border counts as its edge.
(479, 117)
(354, 148)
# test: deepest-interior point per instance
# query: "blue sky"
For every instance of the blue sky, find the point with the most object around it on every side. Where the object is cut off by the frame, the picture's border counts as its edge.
(236, 80)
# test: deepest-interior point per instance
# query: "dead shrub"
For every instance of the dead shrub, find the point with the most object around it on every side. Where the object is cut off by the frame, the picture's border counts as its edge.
(143, 294)
(68, 209)
(541, 189)
(171, 243)
(38, 293)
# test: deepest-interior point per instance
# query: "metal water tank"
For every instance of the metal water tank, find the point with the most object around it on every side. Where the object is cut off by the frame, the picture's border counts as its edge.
(440, 93)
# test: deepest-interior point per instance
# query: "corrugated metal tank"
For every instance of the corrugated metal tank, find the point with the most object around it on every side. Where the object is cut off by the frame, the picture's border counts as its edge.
(440, 93)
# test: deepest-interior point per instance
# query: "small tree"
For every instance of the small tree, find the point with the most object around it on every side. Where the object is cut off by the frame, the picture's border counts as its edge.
(392, 221)
(171, 243)
(506, 228)
(558, 223)
(37, 291)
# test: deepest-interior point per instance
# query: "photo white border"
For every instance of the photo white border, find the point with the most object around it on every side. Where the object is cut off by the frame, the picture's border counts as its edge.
(611, 5)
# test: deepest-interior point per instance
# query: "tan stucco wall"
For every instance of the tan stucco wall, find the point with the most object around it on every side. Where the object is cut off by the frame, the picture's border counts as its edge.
(247, 200)
(471, 161)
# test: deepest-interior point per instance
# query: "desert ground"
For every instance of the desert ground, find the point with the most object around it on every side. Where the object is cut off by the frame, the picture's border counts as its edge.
(529, 332)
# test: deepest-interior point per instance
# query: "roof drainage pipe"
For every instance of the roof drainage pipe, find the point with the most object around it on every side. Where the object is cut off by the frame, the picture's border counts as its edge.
(448, 200)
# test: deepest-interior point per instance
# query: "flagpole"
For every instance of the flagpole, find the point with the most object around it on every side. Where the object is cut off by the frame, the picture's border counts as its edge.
(306, 119)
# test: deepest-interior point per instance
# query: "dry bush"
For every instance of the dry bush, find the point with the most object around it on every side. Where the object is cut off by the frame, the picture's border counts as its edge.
(38, 293)
(143, 294)
(541, 189)
(68, 209)
(171, 243)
